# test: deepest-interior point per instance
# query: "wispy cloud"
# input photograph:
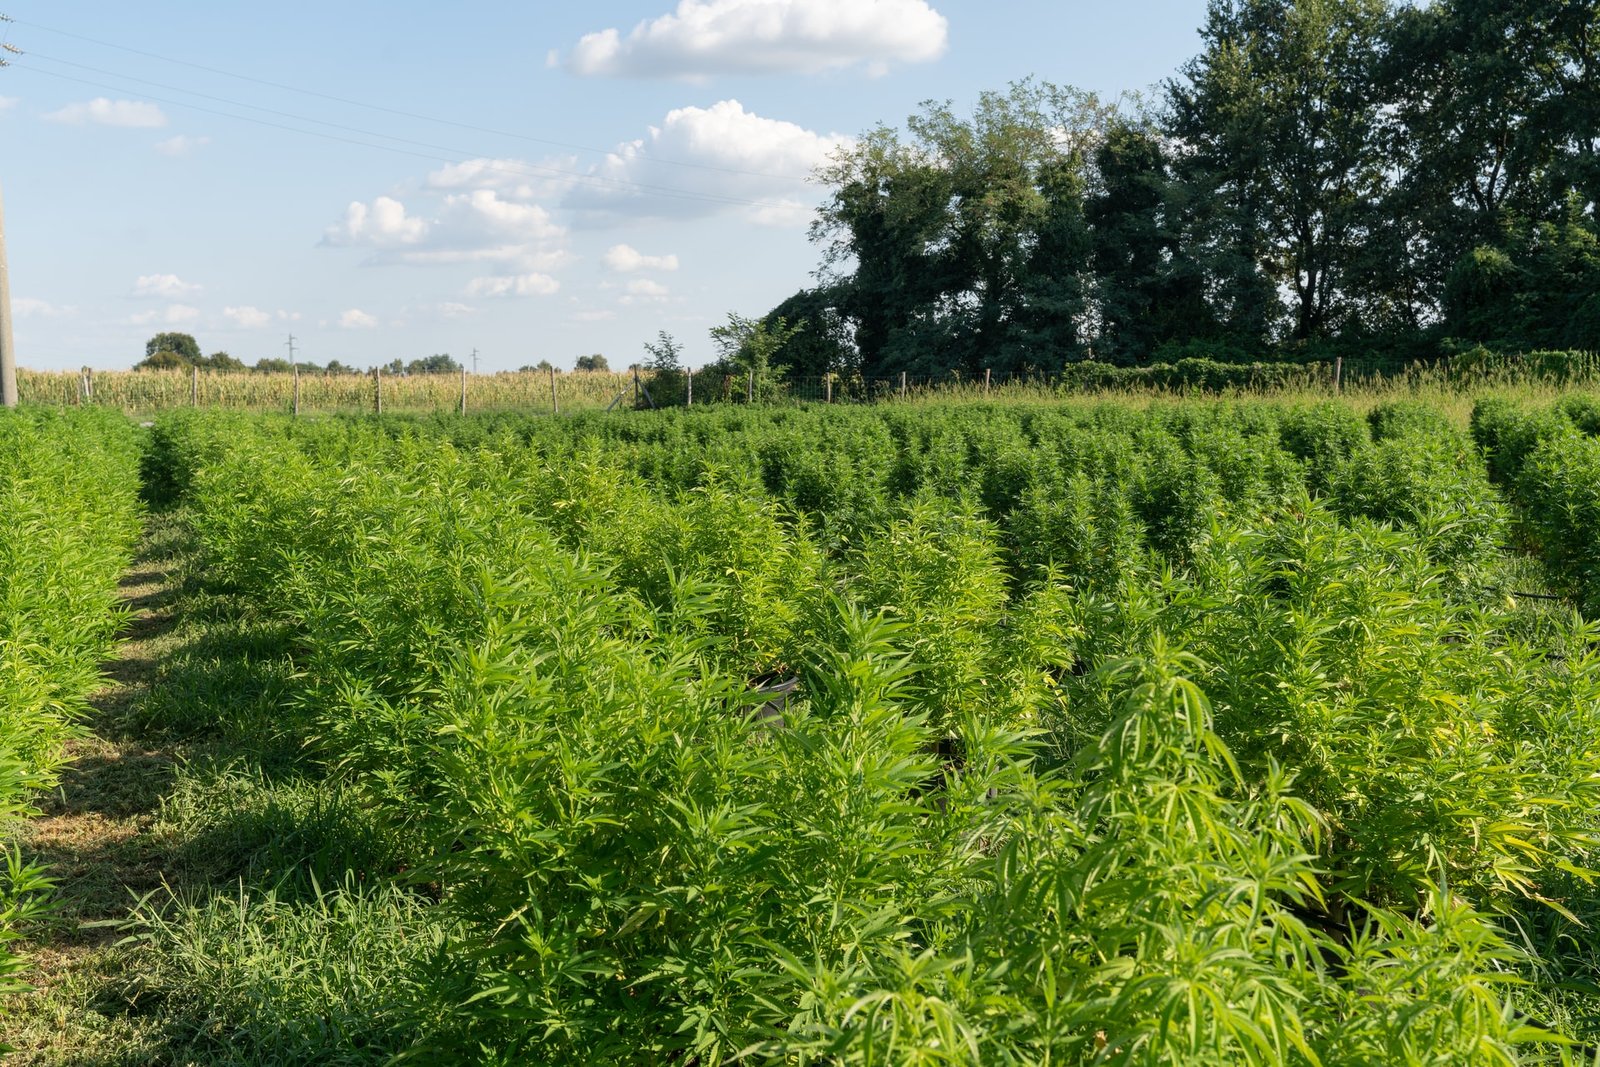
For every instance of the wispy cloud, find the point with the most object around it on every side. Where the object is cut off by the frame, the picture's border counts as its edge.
(164, 286)
(514, 285)
(181, 145)
(102, 111)
(625, 259)
(173, 315)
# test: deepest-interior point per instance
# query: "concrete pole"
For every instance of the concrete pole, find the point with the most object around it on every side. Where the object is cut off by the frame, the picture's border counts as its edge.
(8, 351)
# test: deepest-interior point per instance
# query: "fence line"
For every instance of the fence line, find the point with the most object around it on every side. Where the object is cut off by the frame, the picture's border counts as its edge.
(150, 391)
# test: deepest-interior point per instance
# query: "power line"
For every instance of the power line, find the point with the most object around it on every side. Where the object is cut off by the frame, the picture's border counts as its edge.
(455, 155)
(390, 110)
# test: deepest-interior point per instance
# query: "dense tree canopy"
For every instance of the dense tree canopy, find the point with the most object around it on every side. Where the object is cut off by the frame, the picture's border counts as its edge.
(180, 351)
(181, 345)
(1325, 176)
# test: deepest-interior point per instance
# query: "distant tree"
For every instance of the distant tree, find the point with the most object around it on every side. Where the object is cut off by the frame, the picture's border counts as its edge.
(665, 353)
(439, 363)
(273, 365)
(181, 343)
(594, 362)
(221, 361)
(749, 346)
(543, 365)
(164, 359)
(337, 367)
(665, 362)
(394, 366)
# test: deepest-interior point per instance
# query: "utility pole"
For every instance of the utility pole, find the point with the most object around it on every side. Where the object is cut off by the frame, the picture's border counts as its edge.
(292, 363)
(8, 350)
(474, 361)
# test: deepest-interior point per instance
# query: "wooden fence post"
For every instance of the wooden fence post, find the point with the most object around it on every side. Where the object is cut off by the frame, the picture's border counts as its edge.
(750, 388)
(463, 391)
(902, 385)
(297, 392)
(827, 388)
(986, 373)
(1338, 374)
(688, 381)
(555, 405)
(377, 390)
(194, 387)
(636, 385)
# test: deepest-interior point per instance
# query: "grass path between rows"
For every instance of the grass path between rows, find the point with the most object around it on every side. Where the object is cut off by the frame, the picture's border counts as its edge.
(96, 833)
(220, 901)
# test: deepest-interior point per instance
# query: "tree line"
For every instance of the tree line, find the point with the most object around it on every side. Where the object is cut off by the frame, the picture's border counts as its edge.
(180, 351)
(1326, 177)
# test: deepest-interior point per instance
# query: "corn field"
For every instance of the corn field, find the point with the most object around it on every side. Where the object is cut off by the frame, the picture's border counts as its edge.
(148, 392)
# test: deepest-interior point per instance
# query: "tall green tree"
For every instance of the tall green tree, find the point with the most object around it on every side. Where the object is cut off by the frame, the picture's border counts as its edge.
(965, 241)
(1148, 288)
(1277, 120)
(1466, 79)
(822, 343)
(881, 229)
(1496, 115)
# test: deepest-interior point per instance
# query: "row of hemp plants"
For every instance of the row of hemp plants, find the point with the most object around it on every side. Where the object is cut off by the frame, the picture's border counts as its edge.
(1222, 761)
(69, 496)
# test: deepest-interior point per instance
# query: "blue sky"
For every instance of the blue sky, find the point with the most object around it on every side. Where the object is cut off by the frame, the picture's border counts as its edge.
(602, 171)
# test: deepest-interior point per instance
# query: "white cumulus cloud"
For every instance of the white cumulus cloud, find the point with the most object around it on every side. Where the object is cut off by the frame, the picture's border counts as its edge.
(474, 226)
(382, 224)
(181, 145)
(625, 259)
(164, 286)
(103, 111)
(705, 37)
(697, 161)
(748, 162)
(534, 284)
(249, 318)
(356, 319)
